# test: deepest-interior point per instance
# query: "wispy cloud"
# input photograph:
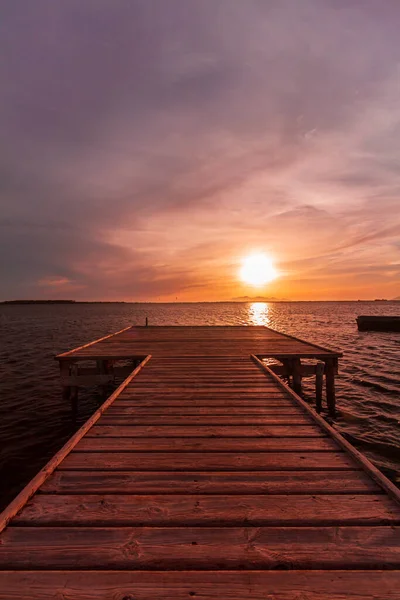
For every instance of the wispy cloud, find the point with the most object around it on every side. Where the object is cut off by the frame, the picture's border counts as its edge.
(147, 145)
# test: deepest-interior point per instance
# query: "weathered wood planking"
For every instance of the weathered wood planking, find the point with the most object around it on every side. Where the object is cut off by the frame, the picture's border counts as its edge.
(185, 342)
(207, 420)
(181, 444)
(224, 461)
(210, 411)
(210, 482)
(192, 510)
(209, 548)
(204, 431)
(200, 466)
(207, 585)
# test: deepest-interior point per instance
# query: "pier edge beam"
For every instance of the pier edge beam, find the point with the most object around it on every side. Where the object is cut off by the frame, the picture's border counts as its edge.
(330, 369)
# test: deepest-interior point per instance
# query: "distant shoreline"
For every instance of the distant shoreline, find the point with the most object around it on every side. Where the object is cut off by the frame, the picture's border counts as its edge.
(247, 301)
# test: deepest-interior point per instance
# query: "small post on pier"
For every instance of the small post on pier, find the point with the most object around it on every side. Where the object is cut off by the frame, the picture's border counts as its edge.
(103, 369)
(147, 321)
(288, 370)
(330, 387)
(74, 391)
(297, 375)
(319, 380)
(65, 371)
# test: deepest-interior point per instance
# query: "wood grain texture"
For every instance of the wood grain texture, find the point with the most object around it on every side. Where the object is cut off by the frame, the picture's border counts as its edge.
(225, 461)
(223, 411)
(203, 401)
(221, 342)
(218, 510)
(206, 420)
(207, 585)
(107, 444)
(206, 431)
(215, 548)
(210, 482)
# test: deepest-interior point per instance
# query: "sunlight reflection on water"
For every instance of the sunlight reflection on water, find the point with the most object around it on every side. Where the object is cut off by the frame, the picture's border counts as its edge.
(35, 421)
(259, 313)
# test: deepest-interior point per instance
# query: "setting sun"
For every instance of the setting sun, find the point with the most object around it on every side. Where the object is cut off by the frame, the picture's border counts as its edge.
(257, 270)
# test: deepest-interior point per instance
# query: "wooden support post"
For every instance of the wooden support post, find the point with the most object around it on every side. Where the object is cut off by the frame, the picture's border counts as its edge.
(74, 391)
(330, 387)
(297, 375)
(102, 369)
(288, 370)
(65, 370)
(319, 380)
(110, 371)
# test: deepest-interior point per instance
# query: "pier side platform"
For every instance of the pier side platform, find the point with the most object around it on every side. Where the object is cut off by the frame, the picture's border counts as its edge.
(292, 355)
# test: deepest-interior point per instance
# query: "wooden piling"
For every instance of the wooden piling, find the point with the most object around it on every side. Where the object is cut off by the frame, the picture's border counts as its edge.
(65, 371)
(319, 380)
(297, 375)
(102, 369)
(330, 387)
(74, 370)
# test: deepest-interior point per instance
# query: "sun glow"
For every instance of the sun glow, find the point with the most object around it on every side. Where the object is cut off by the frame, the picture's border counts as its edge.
(257, 270)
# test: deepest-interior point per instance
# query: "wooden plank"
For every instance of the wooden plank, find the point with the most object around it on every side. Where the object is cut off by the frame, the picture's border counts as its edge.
(198, 510)
(207, 431)
(44, 473)
(208, 390)
(218, 374)
(254, 444)
(215, 380)
(229, 461)
(202, 395)
(203, 370)
(211, 411)
(94, 343)
(201, 547)
(211, 482)
(206, 420)
(184, 402)
(207, 585)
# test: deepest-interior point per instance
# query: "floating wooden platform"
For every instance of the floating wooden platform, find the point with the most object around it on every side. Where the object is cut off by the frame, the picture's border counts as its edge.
(375, 323)
(202, 476)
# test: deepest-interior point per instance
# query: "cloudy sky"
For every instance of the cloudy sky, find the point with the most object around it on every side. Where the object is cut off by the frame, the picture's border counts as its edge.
(147, 146)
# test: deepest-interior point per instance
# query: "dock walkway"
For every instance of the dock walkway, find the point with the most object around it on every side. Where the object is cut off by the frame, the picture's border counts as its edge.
(203, 476)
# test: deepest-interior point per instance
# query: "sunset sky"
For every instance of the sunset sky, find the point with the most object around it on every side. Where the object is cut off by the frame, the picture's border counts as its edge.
(148, 146)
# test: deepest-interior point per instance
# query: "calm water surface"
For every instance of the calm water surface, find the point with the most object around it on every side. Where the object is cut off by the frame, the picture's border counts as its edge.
(35, 422)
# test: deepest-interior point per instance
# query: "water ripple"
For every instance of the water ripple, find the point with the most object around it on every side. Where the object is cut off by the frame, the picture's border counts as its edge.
(35, 422)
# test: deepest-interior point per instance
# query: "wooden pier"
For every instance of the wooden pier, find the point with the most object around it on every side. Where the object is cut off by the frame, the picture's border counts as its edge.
(203, 475)
(134, 343)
